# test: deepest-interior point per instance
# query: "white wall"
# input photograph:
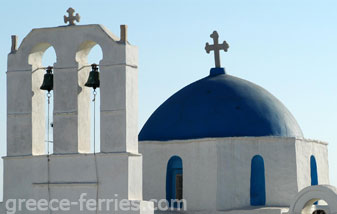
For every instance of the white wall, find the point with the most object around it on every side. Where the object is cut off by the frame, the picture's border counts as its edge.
(26, 177)
(217, 171)
(235, 155)
(114, 173)
(199, 170)
(118, 91)
(304, 150)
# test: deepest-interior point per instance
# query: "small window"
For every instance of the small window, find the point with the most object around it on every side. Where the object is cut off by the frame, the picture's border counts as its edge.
(174, 182)
(257, 182)
(313, 171)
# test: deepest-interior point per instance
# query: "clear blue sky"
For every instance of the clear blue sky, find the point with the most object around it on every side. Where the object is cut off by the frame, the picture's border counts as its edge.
(288, 47)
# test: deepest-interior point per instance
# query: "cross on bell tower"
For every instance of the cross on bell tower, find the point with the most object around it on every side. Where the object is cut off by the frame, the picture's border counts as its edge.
(71, 18)
(216, 47)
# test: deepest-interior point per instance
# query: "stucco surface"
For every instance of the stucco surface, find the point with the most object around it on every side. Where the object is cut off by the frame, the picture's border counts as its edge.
(304, 150)
(302, 203)
(72, 44)
(216, 171)
(116, 172)
(119, 177)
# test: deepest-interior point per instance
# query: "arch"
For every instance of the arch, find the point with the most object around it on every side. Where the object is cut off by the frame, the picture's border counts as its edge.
(313, 171)
(308, 196)
(49, 57)
(36, 54)
(27, 58)
(84, 50)
(95, 55)
(257, 182)
(85, 97)
(35, 59)
(319, 212)
(174, 181)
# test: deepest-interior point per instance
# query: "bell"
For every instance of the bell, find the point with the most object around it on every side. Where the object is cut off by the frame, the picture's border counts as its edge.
(47, 84)
(93, 80)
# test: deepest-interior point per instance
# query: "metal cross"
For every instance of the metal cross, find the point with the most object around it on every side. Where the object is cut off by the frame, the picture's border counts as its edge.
(216, 47)
(71, 18)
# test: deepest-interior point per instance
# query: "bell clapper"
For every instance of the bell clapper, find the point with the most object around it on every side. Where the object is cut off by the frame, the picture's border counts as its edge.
(94, 93)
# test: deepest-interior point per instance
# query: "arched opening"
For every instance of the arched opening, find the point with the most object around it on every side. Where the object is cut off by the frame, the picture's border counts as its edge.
(174, 182)
(312, 207)
(313, 171)
(257, 182)
(88, 99)
(41, 56)
(304, 201)
(49, 59)
(319, 212)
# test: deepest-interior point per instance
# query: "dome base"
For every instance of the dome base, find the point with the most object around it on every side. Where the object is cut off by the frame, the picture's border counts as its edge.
(217, 71)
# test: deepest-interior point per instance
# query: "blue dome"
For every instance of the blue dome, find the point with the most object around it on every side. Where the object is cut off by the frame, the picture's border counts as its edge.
(220, 105)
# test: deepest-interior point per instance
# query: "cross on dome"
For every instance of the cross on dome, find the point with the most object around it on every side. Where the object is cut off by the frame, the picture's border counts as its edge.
(71, 18)
(216, 47)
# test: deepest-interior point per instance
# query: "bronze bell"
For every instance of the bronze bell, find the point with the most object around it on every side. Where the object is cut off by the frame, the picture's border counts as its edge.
(93, 80)
(47, 84)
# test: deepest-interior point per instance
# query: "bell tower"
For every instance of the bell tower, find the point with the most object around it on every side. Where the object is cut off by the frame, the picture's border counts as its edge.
(115, 172)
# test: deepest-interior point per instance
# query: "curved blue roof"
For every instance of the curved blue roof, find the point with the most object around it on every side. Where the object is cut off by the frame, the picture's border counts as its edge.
(220, 105)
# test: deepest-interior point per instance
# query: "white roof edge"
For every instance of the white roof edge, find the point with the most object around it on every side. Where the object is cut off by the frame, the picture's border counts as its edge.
(232, 138)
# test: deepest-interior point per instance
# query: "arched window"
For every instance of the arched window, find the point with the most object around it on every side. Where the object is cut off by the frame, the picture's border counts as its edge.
(257, 182)
(94, 57)
(313, 171)
(174, 181)
(49, 58)
(89, 112)
(41, 56)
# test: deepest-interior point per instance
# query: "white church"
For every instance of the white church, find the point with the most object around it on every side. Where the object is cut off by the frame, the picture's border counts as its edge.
(219, 145)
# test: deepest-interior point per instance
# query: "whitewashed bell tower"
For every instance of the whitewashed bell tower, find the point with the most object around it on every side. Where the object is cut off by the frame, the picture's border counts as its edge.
(115, 172)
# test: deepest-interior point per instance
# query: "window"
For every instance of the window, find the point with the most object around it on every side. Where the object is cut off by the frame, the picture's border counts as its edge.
(174, 182)
(257, 182)
(313, 171)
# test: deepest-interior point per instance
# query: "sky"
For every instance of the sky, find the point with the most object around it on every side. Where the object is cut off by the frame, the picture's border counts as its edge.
(288, 47)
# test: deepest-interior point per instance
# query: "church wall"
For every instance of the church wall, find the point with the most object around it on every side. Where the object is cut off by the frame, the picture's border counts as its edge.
(304, 150)
(234, 170)
(19, 117)
(199, 170)
(217, 171)
(119, 175)
(280, 164)
(18, 183)
(2, 207)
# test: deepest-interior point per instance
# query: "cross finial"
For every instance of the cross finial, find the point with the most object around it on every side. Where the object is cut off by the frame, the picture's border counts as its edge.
(216, 47)
(71, 18)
